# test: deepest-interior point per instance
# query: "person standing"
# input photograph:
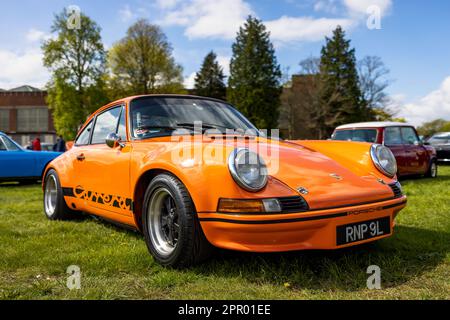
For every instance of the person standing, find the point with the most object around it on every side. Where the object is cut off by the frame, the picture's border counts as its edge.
(60, 145)
(36, 144)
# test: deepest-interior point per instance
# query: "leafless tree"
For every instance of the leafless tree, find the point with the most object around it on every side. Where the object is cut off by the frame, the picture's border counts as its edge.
(373, 82)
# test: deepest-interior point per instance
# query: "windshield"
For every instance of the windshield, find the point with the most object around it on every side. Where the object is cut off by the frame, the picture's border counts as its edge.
(152, 116)
(360, 135)
(8, 144)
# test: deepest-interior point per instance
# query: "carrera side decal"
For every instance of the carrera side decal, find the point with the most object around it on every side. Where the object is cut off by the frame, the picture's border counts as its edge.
(101, 198)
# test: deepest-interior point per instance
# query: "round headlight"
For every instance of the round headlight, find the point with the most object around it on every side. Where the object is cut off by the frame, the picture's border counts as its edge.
(384, 160)
(248, 169)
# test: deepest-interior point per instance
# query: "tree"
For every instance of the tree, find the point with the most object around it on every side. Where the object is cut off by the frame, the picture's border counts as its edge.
(310, 66)
(142, 62)
(76, 59)
(254, 83)
(373, 84)
(209, 81)
(340, 95)
(430, 128)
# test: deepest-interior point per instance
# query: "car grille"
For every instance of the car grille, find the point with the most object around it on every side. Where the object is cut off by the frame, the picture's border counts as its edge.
(397, 189)
(293, 204)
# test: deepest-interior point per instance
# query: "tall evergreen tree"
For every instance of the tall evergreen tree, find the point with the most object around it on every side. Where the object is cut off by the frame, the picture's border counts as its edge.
(340, 94)
(76, 59)
(254, 83)
(209, 81)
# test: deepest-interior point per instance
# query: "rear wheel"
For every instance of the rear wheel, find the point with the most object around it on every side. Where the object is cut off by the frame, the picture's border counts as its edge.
(55, 206)
(170, 224)
(432, 170)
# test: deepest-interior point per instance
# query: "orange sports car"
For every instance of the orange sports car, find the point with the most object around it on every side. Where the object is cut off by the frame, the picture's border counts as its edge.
(192, 173)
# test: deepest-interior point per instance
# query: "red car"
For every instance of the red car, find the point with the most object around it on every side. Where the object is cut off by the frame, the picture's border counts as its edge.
(413, 156)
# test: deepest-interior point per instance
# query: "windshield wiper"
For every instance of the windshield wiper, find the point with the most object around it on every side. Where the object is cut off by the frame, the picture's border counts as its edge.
(203, 126)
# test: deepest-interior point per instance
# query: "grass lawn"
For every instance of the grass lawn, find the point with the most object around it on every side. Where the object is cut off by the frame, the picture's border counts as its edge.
(35, 253)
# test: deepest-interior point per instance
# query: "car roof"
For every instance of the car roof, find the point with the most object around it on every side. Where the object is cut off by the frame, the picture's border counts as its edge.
(183, 96)
(441, 134)
(376, 124)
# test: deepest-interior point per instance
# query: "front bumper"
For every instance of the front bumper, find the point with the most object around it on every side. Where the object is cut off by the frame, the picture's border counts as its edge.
(295, 231)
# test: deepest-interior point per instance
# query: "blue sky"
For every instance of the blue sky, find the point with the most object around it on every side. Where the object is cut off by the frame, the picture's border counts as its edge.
(413, 39)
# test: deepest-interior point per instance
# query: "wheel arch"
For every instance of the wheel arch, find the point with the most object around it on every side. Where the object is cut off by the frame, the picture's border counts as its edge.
(140, 188)
(46, 169)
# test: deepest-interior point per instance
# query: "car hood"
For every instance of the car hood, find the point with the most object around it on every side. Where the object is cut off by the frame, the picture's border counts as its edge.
(328, 183)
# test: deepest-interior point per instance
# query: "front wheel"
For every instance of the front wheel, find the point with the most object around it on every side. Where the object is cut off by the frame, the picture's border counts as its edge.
(432, 170)
(171, 228)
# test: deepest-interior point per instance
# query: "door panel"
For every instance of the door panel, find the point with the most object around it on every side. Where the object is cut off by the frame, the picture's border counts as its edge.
(108, 185)
(393, 140)
(416, 154)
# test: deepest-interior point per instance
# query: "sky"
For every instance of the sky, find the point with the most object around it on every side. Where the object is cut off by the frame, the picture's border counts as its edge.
(410, 36)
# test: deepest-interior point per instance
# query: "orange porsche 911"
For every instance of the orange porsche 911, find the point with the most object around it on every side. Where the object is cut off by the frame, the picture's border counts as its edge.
(193, 173)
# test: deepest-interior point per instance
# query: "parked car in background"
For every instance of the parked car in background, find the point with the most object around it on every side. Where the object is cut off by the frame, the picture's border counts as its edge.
(413, 156)
(441, 142)
(18, 164)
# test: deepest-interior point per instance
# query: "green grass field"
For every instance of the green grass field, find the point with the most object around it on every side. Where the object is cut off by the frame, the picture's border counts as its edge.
(35, 253)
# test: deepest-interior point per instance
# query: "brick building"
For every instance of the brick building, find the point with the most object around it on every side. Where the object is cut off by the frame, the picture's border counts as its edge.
(24, 115)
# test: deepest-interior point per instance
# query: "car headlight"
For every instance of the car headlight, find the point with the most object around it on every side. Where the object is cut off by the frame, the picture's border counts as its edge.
(384, 160)
(248, 169)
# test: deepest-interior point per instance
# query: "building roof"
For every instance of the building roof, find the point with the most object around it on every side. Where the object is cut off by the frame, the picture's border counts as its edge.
(25, 89)
(2, 90)
(379, 124)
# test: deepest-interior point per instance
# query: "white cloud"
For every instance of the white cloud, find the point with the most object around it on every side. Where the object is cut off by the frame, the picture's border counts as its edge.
(22, 68)
(189, 81)
(287, 29)
(209, 19)
(221, 19)
(167, 4)
(126, 14)
(361, 6)
(433, 106)
(35, 35)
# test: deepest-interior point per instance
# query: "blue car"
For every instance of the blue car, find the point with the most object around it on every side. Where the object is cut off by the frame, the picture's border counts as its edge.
(18, 164)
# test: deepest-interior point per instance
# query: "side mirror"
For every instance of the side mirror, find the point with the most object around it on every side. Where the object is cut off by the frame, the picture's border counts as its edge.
(113, 141)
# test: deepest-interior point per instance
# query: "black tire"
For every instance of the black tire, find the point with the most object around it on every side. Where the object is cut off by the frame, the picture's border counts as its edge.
(191, 245)
(432, 170)
(60, 209)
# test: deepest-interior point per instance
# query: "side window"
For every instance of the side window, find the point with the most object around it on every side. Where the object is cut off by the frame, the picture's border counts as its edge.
(83, 138)
(392, 136)
(409, 136)
(105, 124)
(122, 127)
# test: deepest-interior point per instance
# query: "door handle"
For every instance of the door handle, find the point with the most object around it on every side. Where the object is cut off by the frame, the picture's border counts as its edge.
(81, 157)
